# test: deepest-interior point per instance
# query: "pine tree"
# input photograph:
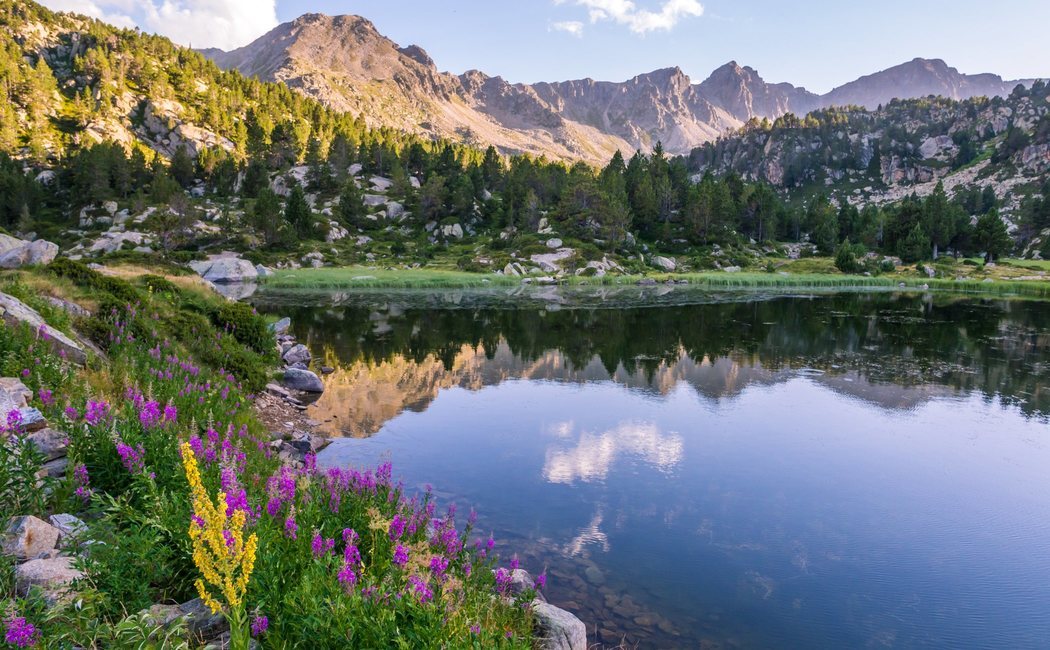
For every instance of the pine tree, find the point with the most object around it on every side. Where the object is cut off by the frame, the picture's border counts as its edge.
(298, 214)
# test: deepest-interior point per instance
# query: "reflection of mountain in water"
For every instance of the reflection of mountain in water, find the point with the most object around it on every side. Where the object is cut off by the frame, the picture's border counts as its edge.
(397, 351)
(361, 397)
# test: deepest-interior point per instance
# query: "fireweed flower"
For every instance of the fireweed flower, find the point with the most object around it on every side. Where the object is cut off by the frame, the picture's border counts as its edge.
(475, 629)
(397, 528)
(19, 632)
(421, 589)
(83, 482)
(541, 581)
(347, 577)
(149, 414)
(14, 421)
(400, 555)
(503, 578)
(131, 457)
(71, 413)
(438, 566)
(47, 398)
(259, 625)
(97, 413)
(291, 529)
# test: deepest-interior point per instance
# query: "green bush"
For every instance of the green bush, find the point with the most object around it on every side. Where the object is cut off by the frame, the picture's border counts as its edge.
(245, 324)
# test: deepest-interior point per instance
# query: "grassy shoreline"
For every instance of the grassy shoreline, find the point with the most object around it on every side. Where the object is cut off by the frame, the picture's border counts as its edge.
(361, 277)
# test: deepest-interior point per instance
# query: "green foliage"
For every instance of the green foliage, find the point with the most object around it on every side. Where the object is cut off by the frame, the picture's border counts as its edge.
(246, 326)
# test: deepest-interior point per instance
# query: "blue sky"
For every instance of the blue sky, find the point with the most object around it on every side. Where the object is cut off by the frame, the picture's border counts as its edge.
(817, 44)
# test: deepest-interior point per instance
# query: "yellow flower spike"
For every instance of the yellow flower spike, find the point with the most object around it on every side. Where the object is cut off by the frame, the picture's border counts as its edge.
(221, 553)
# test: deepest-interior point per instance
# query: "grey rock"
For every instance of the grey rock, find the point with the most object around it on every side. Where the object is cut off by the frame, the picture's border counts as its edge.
(281, 326)
(68, 527)
(554, 243)
(297, 354)
(303, 380)
(664, 263)
(277, 391)
(54, 468)
(37, 252)
(230, 269)
(201, 623)
(32, 419)
(13, 395)
(327, 370)
(557, 629)
(15, 313)
(27, 537)
(50, 443)
(71, 308)
(262, 271)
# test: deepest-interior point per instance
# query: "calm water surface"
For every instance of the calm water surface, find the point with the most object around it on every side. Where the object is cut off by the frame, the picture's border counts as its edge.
(720, 470)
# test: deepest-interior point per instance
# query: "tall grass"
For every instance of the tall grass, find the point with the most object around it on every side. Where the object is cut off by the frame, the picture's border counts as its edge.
(354, 277)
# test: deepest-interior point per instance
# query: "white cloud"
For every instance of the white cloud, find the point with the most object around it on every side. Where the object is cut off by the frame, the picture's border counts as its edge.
(639, 21)
(202, 23)
(573, 27)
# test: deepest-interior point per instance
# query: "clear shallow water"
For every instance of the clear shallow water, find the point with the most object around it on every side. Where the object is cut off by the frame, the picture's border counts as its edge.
(721, 470)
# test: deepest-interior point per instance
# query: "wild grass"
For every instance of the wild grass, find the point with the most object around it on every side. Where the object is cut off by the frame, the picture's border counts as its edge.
(356, 277)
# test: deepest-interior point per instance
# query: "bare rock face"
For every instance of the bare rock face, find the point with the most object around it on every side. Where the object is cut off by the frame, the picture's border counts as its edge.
(28, 537)
(16, 313)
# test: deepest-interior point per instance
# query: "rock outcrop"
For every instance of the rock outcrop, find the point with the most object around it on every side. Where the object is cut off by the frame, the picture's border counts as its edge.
(16, 313)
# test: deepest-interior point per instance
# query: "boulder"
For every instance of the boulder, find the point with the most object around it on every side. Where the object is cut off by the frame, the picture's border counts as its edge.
(50, 443)
(297, 354)
(13, 395)
(557, 629)
(15, 312)
(53, 575)
(227, 270)
(28, 537)
(664, 263)
(32, 253)
(201, 623)
(373, 200)
(68, 527)
(32, 419)
(281, 326)
(452, 230)
(262, 271)
(554, 243)
(380, 184)
(9, 243)
(57, 468)
(304, 380)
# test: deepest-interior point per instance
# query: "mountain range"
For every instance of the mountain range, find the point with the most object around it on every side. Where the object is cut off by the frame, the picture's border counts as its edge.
(345, 62)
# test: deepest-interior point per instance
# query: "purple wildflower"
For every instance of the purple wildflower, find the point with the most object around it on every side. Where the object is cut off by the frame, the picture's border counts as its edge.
(19, 632)
(97, 413)
(397, 528)
(291, 529)
(400, 555)
(131, 457)
(421, 588)
(541, 581)
(259, 625)
(47, 398)
(475, 629)
(347, 577)
(438, 566)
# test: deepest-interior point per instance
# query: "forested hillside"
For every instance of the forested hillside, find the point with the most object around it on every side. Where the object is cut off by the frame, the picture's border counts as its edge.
(114, 141)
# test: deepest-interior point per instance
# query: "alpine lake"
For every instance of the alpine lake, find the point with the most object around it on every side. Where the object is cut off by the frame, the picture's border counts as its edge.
(701, 469)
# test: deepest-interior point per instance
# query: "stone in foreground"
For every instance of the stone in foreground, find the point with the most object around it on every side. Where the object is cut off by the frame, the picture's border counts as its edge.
(53, 575)
(28, 537)
(557, 629)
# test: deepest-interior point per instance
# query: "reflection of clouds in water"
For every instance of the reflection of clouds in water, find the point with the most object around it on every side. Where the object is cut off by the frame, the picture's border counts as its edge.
(562, 429)
(591, 534)
(594, 454)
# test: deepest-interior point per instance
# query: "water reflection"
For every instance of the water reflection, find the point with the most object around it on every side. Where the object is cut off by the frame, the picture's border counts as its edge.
(835, 471)
(593, 454)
